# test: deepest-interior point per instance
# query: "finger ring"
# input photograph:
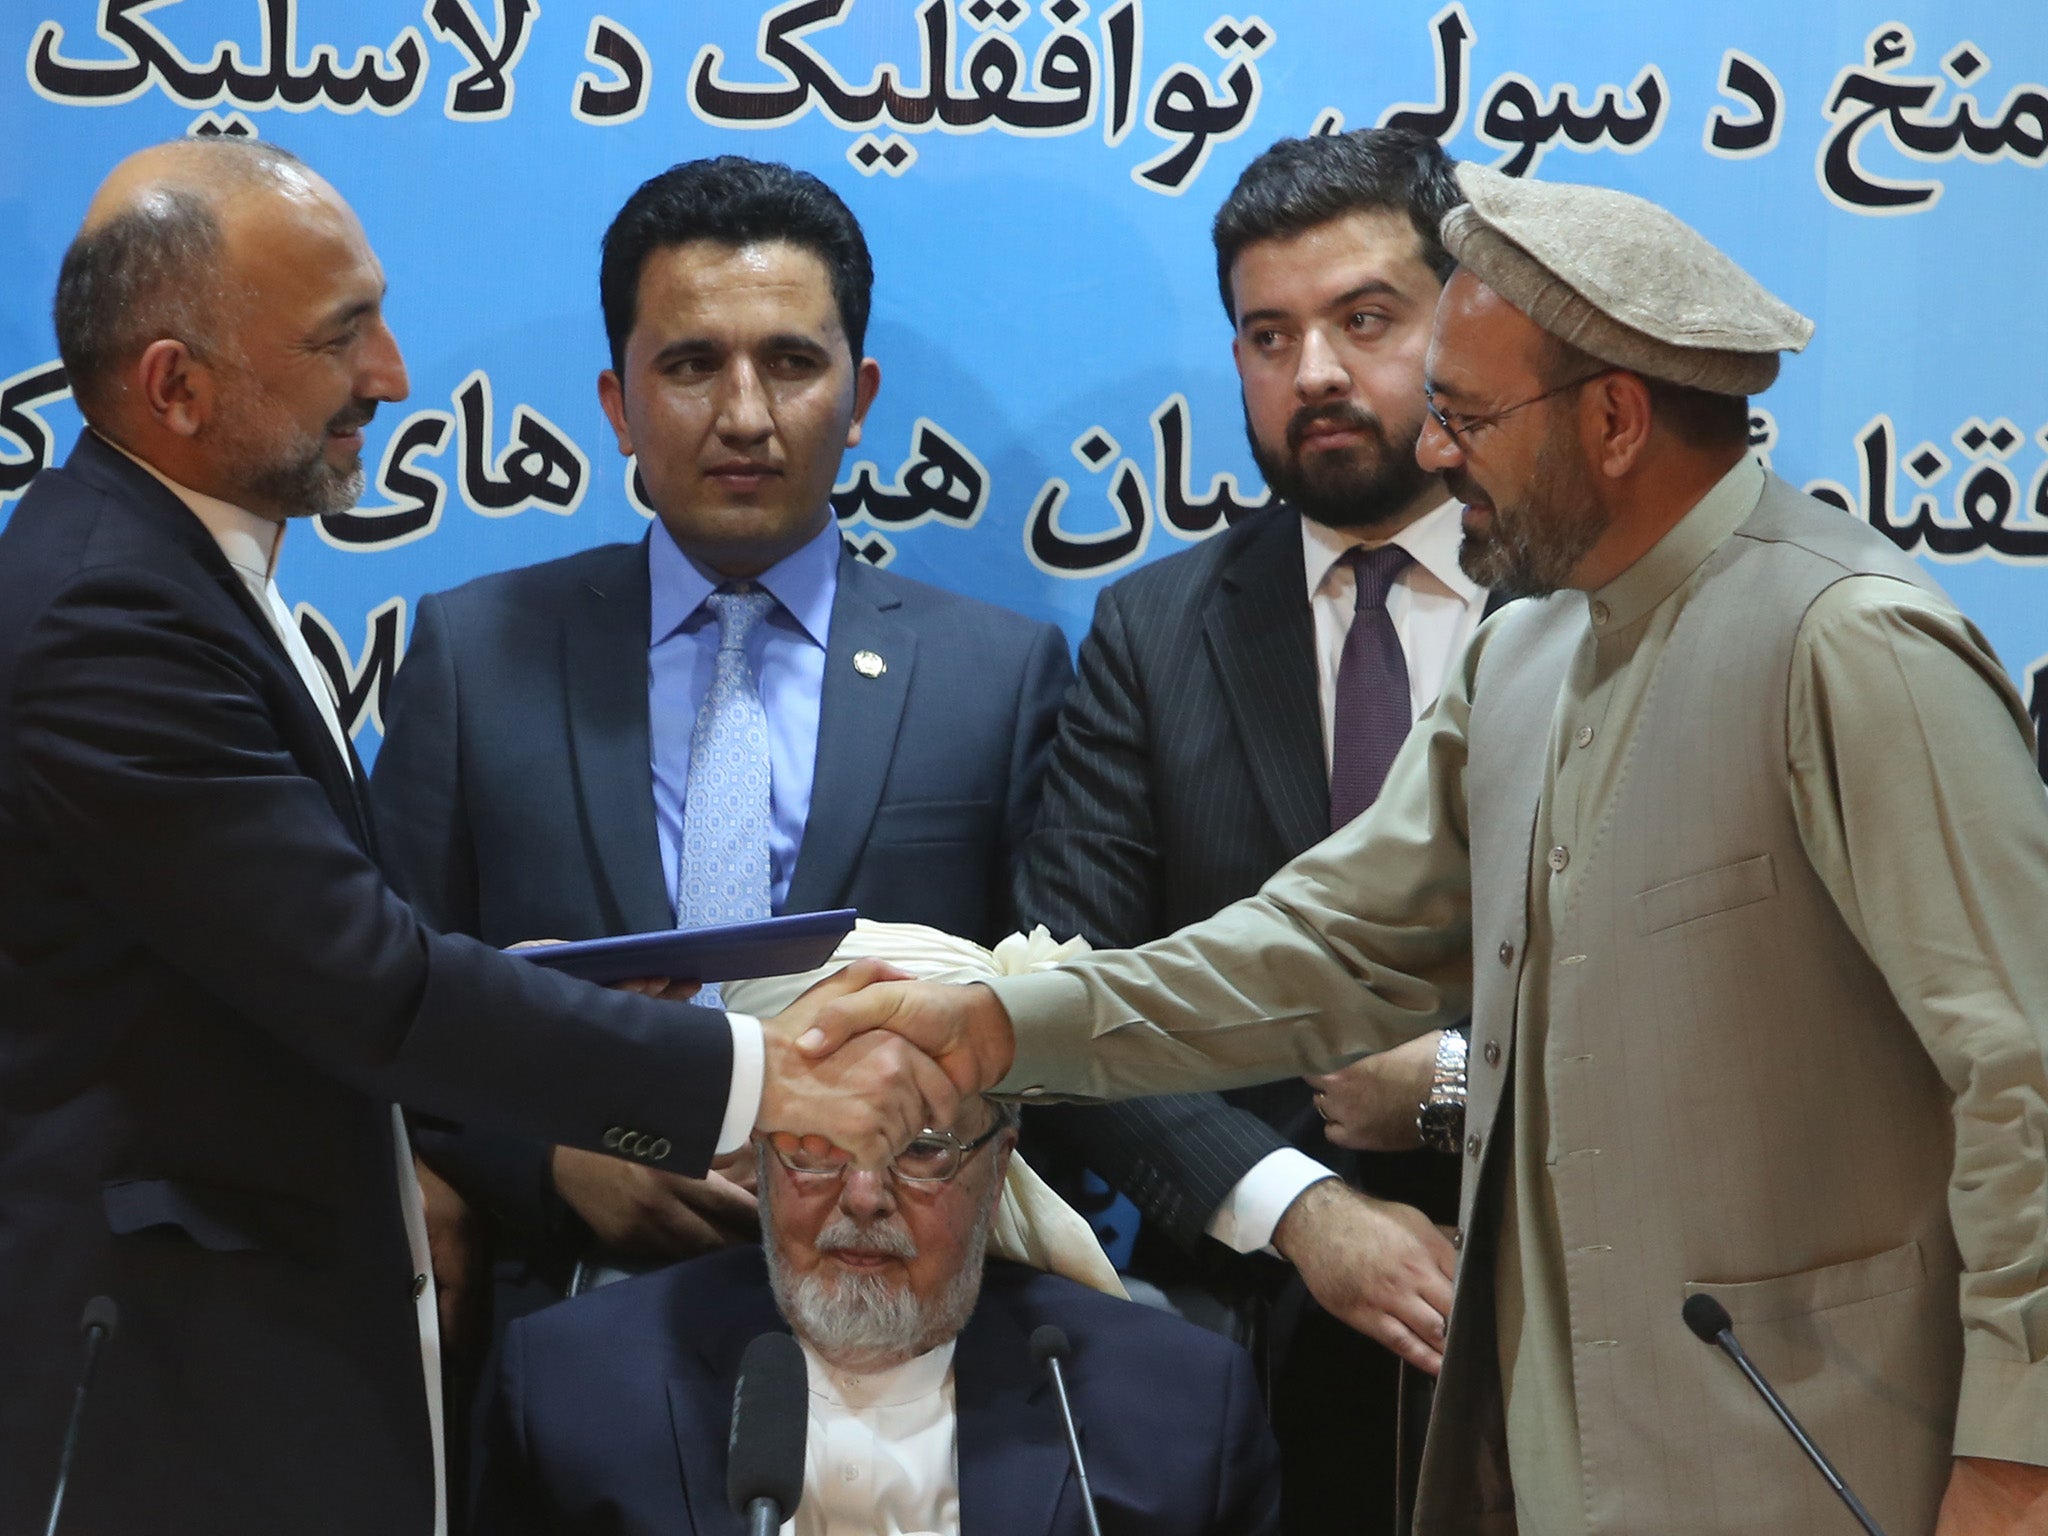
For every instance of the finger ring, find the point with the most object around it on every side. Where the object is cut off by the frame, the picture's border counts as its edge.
(1320, 1109)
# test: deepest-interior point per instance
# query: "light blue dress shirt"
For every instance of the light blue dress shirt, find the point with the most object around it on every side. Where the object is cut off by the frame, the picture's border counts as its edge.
(786, 653)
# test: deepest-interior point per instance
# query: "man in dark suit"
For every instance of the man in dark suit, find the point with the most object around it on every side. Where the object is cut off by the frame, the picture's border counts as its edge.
(1236, 702)
(547, 730)
(209, 998)
(927, 1411)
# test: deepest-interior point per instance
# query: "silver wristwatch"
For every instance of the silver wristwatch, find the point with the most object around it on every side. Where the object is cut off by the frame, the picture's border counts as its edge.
(1441, 1120)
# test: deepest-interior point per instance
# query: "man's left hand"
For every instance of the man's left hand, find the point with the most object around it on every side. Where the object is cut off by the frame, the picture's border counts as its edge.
(1371, 1105)
(1994, 1498)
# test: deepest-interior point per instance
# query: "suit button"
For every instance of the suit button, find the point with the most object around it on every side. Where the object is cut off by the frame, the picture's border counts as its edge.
(1035, 1091)
(1507, 953)
(1458, 1239)
(1559, 857)
(419, 1286)
(1492, 1053)
(1584, 736)
(1472, 1145)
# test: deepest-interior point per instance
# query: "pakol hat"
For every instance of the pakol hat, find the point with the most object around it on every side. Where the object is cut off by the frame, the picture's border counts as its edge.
(1622, 280)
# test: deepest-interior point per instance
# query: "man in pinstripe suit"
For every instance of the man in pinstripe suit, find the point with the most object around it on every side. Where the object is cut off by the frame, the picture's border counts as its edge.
(1195, 758)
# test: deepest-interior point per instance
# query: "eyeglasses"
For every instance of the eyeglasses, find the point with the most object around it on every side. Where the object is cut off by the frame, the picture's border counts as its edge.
(933, 1157)
(1458, 425)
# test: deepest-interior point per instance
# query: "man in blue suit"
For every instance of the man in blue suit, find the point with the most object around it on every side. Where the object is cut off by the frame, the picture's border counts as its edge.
(927, 1412)
(567, 754)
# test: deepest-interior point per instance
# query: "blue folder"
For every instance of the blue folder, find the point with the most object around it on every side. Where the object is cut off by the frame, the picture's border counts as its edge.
(774, 946)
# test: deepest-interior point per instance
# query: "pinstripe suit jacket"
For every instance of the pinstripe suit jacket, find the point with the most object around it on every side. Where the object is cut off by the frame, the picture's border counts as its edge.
(1188, 768)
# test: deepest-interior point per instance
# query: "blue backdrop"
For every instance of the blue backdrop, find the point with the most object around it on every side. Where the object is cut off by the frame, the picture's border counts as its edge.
(1036, 182)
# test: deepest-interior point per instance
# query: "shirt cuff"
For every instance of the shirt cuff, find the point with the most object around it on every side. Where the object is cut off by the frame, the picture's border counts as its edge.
(2002, 1414)
(1253, 1208)
(743, 1099)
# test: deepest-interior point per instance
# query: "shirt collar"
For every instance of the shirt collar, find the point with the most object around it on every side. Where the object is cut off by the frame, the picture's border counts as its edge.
(804, 582)
(857, 1391)
(251, 543)
(1658, 573)
(1432, 539)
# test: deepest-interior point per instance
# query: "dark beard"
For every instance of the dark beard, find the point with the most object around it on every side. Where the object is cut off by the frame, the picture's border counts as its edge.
(1360, 488)
(1532, 548)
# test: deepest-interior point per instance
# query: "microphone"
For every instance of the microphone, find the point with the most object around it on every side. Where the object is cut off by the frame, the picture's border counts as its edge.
(1049, 1347)
(771, 1419)
(1709, 1320)
(101, 1316)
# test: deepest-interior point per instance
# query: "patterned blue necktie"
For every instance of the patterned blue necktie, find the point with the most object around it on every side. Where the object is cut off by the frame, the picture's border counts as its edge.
(722, 875)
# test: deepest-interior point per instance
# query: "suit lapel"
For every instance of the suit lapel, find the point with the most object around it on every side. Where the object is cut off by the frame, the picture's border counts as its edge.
(858, 716)
(1012, 1448)
(604, 666)
(305, 729)
(1261, 637)
(359, 778)
(341, 776)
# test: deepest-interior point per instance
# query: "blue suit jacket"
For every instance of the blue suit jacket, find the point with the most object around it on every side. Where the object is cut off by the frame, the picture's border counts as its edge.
(209, 999)
(514, 794)
(515, 800)
(612, 1412)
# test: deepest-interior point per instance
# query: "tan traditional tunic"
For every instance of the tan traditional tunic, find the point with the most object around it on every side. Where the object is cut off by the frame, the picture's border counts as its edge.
(1917, 822)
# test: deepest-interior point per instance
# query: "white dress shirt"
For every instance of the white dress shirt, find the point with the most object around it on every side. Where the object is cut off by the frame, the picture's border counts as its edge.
(882, 1458)
(1434, 607)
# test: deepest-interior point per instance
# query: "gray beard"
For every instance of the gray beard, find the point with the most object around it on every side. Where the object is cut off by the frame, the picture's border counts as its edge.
(869, 1317)
(279, 469)
(310, 488)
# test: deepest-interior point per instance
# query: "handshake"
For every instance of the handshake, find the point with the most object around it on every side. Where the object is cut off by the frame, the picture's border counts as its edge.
(868, 1057)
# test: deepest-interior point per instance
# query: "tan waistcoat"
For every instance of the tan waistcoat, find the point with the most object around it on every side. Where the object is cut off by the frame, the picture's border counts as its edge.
(1758, 1118)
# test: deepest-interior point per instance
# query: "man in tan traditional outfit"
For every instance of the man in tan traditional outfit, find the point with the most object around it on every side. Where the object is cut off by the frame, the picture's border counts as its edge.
(1733, 840)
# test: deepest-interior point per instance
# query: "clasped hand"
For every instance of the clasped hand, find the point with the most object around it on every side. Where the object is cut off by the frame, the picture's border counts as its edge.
(867, 1058)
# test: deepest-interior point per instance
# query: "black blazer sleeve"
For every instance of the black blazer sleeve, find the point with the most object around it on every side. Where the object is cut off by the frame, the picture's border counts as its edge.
(151, 749)
(1093, 867)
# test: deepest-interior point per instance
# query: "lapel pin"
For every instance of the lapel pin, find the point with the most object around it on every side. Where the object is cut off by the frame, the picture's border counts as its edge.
(868, 664)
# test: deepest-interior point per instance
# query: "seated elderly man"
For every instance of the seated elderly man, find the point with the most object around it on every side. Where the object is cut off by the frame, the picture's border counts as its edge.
(927, 1411)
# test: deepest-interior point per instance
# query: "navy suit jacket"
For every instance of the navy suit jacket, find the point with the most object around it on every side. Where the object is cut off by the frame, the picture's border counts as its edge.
(209, 999)
(612, 1412)
(515, 798)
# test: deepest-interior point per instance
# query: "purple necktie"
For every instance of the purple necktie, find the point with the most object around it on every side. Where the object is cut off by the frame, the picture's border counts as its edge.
(1372, 715)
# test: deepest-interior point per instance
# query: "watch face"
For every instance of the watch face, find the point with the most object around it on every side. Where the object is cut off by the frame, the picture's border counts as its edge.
(1441, 1123)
